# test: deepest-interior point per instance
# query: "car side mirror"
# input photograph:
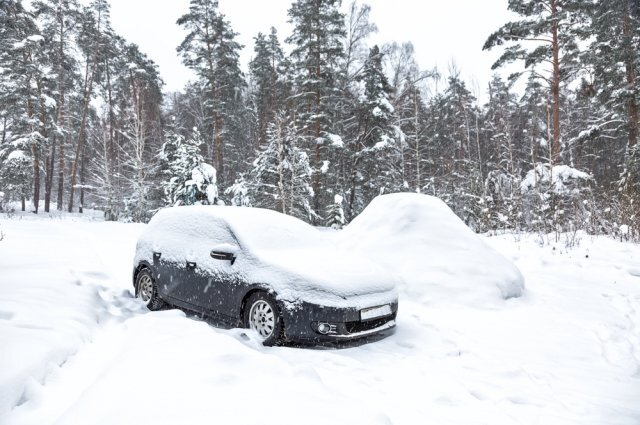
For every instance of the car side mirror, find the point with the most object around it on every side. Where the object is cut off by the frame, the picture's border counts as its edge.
(225, 256)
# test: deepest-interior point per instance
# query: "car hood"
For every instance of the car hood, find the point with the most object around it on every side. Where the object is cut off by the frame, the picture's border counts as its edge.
(328, 271)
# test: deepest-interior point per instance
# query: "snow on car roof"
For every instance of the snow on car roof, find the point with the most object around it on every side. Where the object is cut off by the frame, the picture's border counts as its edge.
(253, 228)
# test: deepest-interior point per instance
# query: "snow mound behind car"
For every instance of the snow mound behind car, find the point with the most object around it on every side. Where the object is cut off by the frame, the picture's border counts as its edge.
(437, 256)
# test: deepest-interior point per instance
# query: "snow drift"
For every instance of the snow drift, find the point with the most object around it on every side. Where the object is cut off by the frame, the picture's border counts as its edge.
(425, 244)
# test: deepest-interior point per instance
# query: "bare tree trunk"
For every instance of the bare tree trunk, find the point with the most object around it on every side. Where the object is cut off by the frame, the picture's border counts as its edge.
(555, 85)
(35, 152)
(60, 117)
(36, 178)
(61, 173)
(631, 83)
(49, 180)
(48, 160)
(219, 147)
(417, 141)
(81, 206)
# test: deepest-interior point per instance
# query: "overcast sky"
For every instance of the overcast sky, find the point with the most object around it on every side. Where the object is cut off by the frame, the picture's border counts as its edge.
(441, 31)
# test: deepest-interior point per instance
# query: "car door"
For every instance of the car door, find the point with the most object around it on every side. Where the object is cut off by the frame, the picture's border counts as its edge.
(215, 277)
(169, 267)
(198, 264)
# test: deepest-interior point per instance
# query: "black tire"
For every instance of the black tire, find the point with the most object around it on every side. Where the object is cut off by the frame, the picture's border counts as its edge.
(263, 307)
(147, 290)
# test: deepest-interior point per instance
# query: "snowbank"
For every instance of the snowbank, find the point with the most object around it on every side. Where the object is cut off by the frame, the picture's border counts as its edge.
(422, 241)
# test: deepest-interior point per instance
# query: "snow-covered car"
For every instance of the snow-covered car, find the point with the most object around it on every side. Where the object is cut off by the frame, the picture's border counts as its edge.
(434, 254)
(260, 269)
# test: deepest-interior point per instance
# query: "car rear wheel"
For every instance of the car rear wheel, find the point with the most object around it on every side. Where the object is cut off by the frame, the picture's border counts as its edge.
(262, 315)
(147, 291)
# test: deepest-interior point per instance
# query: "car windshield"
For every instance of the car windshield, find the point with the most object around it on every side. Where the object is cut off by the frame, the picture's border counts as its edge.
(259, 229)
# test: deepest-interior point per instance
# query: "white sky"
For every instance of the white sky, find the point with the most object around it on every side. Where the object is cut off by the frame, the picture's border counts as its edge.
(441, 31)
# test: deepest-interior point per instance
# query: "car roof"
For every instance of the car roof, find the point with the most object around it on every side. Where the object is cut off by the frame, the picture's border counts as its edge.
(252, 227)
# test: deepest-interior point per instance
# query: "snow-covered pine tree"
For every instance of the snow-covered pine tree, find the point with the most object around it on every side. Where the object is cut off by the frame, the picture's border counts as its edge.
(139, 86)
(372, 167)
(23, 89)
(271, 89)
(318, 50)
(179, 158)
(15, 175)
(615, 59)
(281, 175)
(411, 125)
(463, 185)
(335, 213)
(95, 26)
(240, 192)
(202, 188)
(210, 50)
(552, 28)
(58, 20)
(501, 186)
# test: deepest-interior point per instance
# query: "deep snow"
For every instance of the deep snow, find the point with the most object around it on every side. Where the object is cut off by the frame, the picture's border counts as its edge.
(77, 349)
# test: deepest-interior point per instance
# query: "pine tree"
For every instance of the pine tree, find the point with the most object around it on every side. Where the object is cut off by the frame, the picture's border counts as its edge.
(372, 170)
(58, 21)
(268, 73)
(335, 213)
(281, 175)
(502, 153)
(211, 51)
(92, 39)
(24, 89)
(240, 192)
(317, 41)
(178, 158)
(552, 26)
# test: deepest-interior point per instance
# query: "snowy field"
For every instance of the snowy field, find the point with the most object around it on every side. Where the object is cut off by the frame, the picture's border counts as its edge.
(76, 348)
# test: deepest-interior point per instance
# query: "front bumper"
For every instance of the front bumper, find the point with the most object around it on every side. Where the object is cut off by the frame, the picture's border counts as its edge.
(301, 322)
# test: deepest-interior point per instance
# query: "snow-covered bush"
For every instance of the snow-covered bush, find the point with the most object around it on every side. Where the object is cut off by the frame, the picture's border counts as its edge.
(15, 176)
(501, 201)
(556, 199)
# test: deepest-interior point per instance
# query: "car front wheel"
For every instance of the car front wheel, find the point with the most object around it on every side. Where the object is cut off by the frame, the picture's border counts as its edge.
(147, 291)
(261, 314)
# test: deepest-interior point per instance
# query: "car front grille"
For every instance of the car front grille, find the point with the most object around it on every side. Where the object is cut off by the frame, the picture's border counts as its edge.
(359, 326)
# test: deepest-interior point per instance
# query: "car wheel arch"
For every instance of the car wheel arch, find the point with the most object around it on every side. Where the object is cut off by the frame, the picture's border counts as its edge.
(140, 267)
(250, 291)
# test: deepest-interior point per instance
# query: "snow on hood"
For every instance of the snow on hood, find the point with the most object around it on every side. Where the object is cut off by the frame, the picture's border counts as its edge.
(418, 238)
(295, 259)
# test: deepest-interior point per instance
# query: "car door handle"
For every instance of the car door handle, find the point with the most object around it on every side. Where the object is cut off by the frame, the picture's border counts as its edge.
(191, 265)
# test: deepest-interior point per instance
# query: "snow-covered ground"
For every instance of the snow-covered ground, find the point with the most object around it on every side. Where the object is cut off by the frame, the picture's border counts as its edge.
(75, 348)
